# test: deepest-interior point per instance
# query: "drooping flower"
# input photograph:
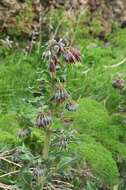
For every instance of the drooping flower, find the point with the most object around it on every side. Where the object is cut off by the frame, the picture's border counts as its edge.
(24, 133)
(71, 106)
(76, 54)
(16, 156)
(69, 57)
(61, 94)
(63, 142)
(43, 120)
(38, 172)
(118, 83)
(72, 56)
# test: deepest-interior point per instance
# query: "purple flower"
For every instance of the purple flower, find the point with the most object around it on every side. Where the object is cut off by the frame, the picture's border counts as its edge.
(72, 106)
(43, 120)
(61, 94)
(118, 83)
(72, 56)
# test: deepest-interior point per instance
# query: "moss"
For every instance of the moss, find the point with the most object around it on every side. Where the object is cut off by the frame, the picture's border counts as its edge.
(113, 101)
(117, 148)
(8, 123)
(99, 160)
(91, 117)
(8, 130)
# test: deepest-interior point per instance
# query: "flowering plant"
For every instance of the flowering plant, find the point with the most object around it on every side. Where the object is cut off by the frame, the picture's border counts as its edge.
(58, 54)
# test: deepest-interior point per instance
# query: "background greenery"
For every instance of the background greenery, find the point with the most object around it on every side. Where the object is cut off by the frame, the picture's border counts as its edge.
(100, 121)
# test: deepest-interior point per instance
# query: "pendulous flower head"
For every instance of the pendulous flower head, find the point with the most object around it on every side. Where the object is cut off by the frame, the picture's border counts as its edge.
(71, 106)
(38, 172)
(24, 133)
(118, 83)
(61, 94)
(43, 120)
(72, 55)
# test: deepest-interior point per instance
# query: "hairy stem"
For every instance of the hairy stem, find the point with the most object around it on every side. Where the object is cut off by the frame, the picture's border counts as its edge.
(46, 144)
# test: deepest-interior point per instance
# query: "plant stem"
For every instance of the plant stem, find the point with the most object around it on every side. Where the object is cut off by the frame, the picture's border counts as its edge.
(46, 144)
(41, 182)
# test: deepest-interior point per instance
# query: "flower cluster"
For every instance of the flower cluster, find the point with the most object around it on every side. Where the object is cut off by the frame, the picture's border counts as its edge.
(58, 53)
(65, 138)
(55, 49)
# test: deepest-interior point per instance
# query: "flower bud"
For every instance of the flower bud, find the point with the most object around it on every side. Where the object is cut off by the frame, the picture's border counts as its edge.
(52, 66)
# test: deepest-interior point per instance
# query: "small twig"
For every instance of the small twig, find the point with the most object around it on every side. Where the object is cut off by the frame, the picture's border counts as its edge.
(6, 152)
(10, 173)
(63, 182)
(7, 187)
(116, 65)
(50, 186)
(10, 162)
(86, 172)
(85, 72)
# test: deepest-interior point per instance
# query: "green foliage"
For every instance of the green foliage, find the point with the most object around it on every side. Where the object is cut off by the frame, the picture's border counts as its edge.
(18, 72)
(102, 138)
(9, 123)
(10, 126)
(8, 130)
(68, 23)
(7, 139)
